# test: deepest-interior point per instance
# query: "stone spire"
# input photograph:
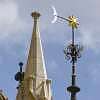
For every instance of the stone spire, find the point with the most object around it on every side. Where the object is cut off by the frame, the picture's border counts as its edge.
(35, 83)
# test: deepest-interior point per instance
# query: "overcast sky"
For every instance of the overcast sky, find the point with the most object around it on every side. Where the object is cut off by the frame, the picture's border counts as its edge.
(15, 33)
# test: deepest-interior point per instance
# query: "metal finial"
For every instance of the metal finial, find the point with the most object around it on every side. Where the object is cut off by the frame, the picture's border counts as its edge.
(35, 14)
(72, 52)
(19, 75)
(21, 64)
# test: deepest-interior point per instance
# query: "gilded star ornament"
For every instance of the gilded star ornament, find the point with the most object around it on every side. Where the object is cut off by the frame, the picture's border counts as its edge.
(73, 22)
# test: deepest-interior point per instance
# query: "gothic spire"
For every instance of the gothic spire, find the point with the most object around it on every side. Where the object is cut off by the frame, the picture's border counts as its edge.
(35, 67)
(36, 86)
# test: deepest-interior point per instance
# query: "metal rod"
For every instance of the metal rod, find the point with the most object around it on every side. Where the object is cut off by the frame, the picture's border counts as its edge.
(73, 96)
(21, 69)
(63, 18)
(73, 58)
(72, 35)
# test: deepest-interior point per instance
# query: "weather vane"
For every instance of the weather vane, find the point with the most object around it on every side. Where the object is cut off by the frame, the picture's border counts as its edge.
(72, 51)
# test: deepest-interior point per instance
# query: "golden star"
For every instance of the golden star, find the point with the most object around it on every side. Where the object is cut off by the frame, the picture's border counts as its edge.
(73, 21)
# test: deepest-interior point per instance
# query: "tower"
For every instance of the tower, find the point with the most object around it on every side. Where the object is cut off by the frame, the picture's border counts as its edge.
(33, 83)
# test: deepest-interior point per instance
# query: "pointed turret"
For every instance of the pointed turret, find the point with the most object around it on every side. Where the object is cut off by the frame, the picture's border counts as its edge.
(35, 65)
(36, 85)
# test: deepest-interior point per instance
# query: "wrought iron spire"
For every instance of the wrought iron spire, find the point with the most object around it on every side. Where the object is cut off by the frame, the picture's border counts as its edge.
(72, 52)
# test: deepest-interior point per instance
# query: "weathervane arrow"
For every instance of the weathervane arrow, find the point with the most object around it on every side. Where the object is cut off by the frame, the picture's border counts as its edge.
(72, 20)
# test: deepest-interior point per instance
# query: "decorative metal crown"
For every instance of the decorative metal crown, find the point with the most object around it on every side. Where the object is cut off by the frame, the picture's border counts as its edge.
(73, 52)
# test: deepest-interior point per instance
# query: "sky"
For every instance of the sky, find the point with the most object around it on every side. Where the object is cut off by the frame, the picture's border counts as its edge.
(15, 33)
